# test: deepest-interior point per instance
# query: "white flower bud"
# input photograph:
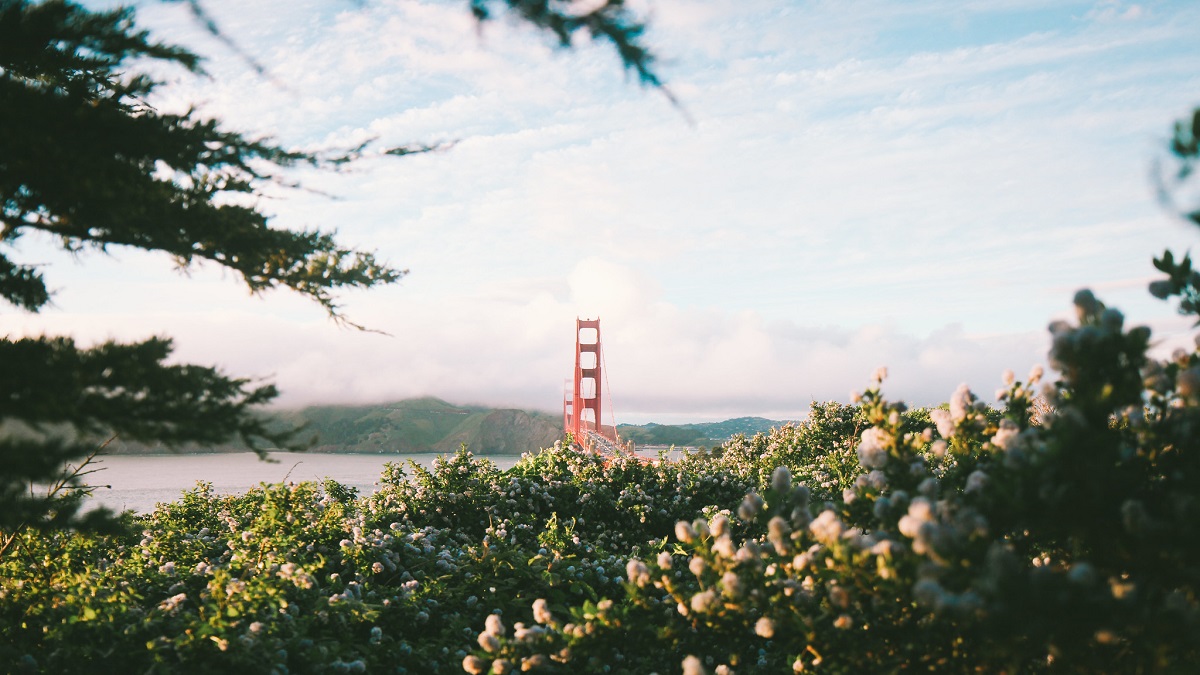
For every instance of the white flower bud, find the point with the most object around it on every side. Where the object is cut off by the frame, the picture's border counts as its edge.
(827, 528)
(704, 601)
(636, 572)
(944, 422)
(1035, 375)
(719, 526)
(960, 403)
(693, 666)
(733, 584)
(750, 507)
(493, 625)
(684, 532)
(534, 662)
(781, 479)
(872, 451)
(541, 612)
(723, 546)
(976, 481)
(1007, 435)
(489, 643)
(777, 529)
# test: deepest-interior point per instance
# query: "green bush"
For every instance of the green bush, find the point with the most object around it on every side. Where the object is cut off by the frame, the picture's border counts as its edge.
(1058, 533)
(993, 544)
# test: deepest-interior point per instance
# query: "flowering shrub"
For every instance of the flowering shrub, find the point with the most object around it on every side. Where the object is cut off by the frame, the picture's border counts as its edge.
(312, 578)
(1058, 532)
(981, 542)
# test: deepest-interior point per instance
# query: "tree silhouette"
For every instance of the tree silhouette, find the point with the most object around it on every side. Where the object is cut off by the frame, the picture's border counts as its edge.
(87, 160)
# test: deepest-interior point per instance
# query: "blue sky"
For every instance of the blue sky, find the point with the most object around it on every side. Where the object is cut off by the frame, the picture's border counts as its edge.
(921, 185)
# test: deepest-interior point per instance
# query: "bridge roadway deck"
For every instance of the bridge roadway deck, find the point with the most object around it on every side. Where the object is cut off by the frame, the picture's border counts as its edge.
(595, 442)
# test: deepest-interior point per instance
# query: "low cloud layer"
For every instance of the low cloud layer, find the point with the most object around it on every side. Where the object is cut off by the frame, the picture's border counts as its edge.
(661, 361)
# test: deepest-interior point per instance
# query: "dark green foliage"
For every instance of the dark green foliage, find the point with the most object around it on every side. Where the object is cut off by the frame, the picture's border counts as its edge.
(60, 402)
(609, 21)
(1181, 280)
(86, 159)
(126, 389)
(1185, 146)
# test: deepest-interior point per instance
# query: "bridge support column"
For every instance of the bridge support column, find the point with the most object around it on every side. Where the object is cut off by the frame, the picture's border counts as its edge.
(582, 413)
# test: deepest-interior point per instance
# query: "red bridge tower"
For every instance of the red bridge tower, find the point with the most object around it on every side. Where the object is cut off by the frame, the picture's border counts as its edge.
(581, 411)
(584, 403)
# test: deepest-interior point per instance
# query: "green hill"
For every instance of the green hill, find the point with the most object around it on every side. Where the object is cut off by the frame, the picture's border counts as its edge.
(406, 427)
(428, 425)
(705, 434)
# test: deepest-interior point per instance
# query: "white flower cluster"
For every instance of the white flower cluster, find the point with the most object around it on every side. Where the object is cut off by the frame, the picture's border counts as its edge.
(965, 408)
(873, 450)
(172, 604)
(491, 640)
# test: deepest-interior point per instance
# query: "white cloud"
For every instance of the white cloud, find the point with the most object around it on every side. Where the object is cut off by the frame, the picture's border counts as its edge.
(843, 201)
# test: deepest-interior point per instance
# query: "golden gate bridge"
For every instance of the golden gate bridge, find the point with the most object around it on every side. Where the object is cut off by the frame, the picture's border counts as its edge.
(584, 401)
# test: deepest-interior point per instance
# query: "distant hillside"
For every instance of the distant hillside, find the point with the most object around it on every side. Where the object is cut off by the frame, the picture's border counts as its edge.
(413, 426)
(705, 434)
(428, 425)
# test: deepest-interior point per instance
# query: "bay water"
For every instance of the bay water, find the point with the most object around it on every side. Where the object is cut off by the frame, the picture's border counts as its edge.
(139, 482)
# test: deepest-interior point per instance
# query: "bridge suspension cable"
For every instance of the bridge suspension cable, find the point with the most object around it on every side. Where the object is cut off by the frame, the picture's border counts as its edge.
(612, 409)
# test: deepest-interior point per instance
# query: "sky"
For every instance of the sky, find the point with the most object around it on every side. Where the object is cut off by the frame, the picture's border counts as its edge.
(919, 185)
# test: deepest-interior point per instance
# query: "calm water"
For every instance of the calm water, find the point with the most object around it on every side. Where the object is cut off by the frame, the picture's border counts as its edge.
(140, 482)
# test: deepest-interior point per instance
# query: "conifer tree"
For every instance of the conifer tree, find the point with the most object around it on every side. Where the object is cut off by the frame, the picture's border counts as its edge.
(86, 159)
